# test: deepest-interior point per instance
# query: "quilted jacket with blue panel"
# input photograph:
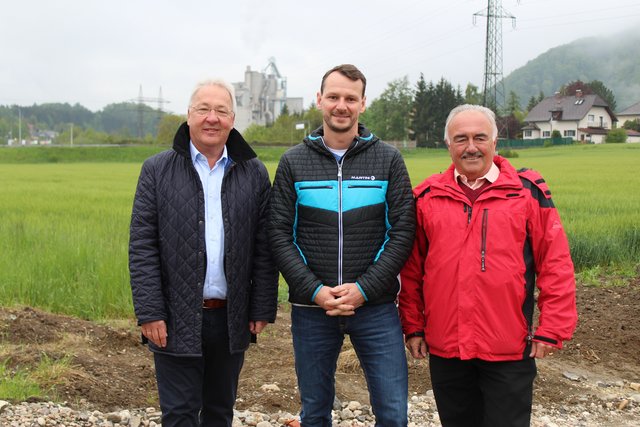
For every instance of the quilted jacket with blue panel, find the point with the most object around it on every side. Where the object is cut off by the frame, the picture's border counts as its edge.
(334, 222)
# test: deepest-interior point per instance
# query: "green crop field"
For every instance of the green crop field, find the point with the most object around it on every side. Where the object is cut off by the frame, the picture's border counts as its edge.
(64, 222)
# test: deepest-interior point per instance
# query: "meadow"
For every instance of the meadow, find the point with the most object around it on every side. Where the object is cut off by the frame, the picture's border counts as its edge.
(64, 217)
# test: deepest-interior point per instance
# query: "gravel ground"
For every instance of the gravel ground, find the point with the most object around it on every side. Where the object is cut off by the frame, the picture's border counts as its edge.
(422, 413)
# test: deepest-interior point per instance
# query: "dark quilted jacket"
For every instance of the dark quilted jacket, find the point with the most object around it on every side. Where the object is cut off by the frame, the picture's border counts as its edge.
(336, 222)
(167, 245)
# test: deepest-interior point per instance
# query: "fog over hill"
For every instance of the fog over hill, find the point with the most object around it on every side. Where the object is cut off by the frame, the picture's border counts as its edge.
(614, 60)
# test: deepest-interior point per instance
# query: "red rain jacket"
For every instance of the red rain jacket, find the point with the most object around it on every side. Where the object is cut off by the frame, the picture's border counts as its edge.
(469, 282)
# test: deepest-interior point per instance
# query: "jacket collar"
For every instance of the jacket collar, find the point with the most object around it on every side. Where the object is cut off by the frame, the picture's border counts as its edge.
(508, 178)
(237, 148)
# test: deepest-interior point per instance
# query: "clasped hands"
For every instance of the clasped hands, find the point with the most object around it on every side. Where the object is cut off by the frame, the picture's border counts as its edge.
(342, 300)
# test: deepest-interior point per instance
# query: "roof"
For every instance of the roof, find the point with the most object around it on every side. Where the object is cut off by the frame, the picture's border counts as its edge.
(572, 107)
(594, 131)
(634, 110)
(632, 133)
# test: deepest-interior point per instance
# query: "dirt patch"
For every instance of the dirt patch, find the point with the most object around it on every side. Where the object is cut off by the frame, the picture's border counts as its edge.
(110, 369)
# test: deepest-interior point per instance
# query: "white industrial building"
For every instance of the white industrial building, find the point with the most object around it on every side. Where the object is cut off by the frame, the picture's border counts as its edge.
(262, 96)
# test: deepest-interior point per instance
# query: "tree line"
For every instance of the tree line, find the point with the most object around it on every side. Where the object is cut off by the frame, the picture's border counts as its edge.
(115, 123)
(402, 112)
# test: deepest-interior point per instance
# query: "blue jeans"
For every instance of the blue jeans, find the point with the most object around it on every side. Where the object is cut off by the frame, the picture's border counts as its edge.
(376, 336)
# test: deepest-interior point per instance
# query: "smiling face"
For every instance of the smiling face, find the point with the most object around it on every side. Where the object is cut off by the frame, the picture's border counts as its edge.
(341, 102)
(472, 144)
(209, 132)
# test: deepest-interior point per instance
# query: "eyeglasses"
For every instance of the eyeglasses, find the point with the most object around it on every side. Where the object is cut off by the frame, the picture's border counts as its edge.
(222, 113)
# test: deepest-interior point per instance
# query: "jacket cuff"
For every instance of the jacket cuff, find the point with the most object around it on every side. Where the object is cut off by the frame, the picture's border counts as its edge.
(548, 341)
(313, 297)
(414, 334)
(362, 292)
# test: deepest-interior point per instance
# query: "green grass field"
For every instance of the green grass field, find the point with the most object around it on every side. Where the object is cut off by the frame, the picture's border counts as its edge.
(64, 222)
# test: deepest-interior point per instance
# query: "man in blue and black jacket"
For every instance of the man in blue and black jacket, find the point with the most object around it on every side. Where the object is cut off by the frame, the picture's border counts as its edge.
(341, 226)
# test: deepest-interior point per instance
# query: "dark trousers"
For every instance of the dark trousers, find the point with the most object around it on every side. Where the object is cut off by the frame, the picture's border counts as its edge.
(473, 393)
(200, 391)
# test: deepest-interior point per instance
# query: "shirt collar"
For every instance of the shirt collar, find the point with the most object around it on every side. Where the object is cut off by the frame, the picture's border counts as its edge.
(491, 176)
(197, 156)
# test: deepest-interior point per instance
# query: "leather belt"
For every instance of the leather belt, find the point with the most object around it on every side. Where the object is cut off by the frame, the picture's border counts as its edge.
(214, 303)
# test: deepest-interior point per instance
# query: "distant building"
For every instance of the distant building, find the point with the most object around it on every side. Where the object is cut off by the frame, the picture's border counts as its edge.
(633, 136)
(585, 118)
(262, 96)
(45, 137)
(629, 114)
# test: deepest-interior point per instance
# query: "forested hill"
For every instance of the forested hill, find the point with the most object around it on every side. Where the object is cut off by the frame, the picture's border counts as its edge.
(613, 60)
(124, 118)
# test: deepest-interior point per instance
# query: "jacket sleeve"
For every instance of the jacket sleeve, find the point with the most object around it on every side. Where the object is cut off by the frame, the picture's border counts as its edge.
(301, 280)
(554, 269)
(264, 283)
(411, 296)
(397, 246)
(144, 250)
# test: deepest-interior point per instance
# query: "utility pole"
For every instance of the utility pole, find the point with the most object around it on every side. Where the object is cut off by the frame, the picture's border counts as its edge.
(493, 85)
(19, 126)
(140, 101)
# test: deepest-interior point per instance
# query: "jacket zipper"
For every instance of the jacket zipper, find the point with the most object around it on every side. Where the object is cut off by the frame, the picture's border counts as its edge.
(468, 210)
(364, 186)
(340, 227)
(483, 249)
(316, 187)
(340, 231)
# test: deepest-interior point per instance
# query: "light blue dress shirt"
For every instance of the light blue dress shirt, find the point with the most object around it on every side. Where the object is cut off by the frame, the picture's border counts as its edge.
(215, 282)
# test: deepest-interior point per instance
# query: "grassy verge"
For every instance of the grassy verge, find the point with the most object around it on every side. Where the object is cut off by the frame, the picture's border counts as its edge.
(19, 384)
(64, 226)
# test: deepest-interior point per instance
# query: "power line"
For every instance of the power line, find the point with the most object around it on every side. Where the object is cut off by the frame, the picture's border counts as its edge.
(140, 102)
(493, 86)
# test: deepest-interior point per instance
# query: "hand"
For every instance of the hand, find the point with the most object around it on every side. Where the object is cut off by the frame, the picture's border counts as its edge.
(346, 299)
(257, 326)
(156, 332)
(325, 296)
(417, 347)
(540, 350)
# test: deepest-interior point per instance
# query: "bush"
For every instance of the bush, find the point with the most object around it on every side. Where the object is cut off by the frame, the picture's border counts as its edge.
(632, 125)
(616, 136)
(547, 143)
(509, 154)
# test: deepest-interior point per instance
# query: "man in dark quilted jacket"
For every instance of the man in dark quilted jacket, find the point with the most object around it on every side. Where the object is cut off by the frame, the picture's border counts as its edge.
(202, 277)
(341, 227)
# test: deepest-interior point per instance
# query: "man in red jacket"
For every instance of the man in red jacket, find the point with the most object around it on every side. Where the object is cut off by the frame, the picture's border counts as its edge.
(486, 236)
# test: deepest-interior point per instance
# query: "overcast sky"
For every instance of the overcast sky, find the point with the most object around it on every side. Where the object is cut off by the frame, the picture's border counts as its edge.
(100, 52)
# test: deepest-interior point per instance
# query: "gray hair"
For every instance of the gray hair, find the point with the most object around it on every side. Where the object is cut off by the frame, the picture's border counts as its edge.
(471, 107)
(216, 82)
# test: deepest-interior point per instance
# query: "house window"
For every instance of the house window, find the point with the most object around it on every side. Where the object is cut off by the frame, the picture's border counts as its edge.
(546, 133)
(569, 133)
(591, 118)
(527, 133)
